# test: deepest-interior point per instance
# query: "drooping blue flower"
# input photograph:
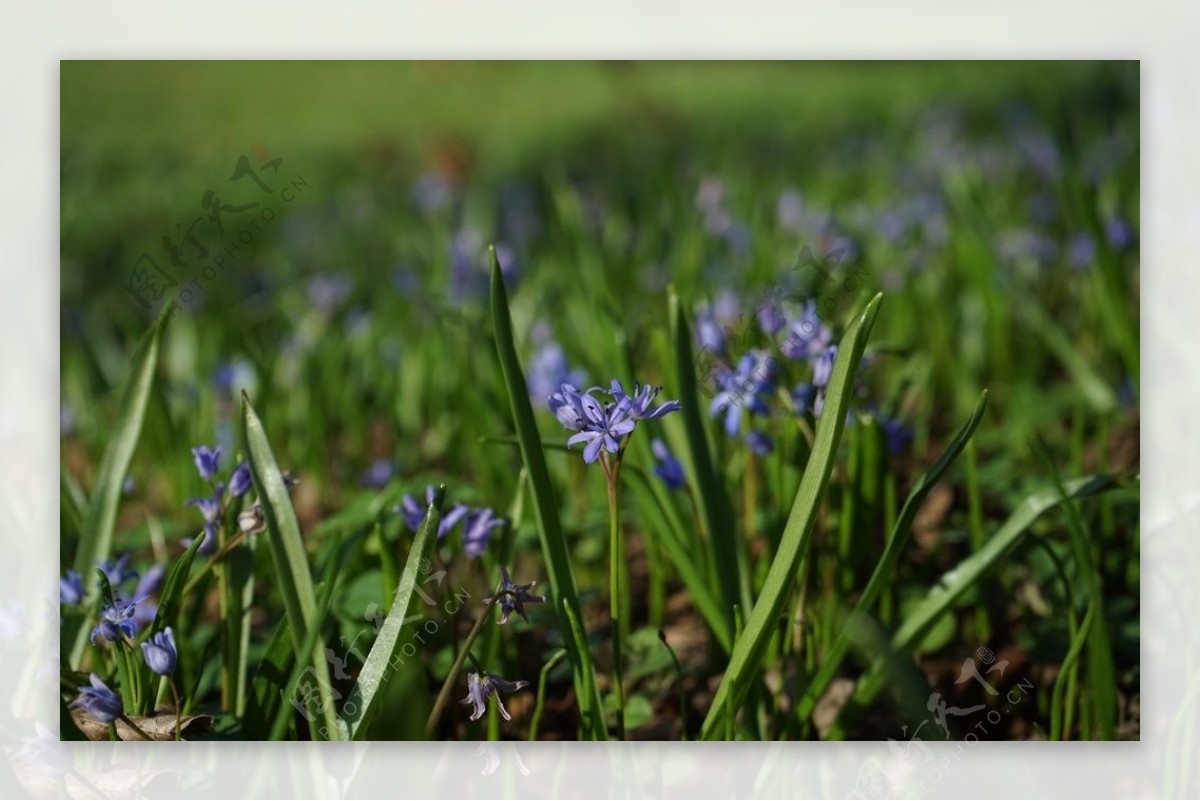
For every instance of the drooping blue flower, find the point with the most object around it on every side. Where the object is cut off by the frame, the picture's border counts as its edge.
(99, 701)
(118, 570)
(206, 461)
(378, 474)
(210, 510)
(481, 687)
(807, 336)
(477, 531)
(743, 389)
(115, 620)
(70, 588)
(414, 513)
(160, 653)
(760, 442)
(513, 597)
(823, 367)
(152, 582)
(667, 467)
(548, 369)
(240, 481)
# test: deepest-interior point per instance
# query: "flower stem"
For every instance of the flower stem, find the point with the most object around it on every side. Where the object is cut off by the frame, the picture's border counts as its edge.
(616, 579)
(178, 708)
(444, 695)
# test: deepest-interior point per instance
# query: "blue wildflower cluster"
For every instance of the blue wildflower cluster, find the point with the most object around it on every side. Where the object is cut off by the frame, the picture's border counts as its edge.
(478, 522)
(213, 507)
(603, 426)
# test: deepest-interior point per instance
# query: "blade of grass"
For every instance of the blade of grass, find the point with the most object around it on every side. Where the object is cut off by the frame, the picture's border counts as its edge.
(718, 512)
(748, 649)
(100, 517)
(369, 688)
(549, 527)
(956, 582)
(292, 574)
(897, 541)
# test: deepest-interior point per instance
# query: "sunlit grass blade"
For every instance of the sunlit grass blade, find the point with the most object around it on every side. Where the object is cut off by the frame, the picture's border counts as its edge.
(896, 543)
(954, 583)
(710, 489)
(100, 517)
(292, 573)
(554, 546)
(369, 688)
(748, 649)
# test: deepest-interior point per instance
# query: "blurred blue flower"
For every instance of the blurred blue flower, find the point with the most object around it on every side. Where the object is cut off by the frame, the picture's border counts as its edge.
(66, 419)
(432, 192)
(326, 292)
(897, 434)
(743, 389)
(477, 530)
(233, 375)
(128, 486)
(116, 620)
(378, 474)
(760, 442)
(240, 481)
(771, 317)
(99, 701)
(513, 597)
(152, 582)
(1118, 233)
(160, 653)
(414, 513)
(118, 570)
(789, 211)
(803, 396)
(548, 369)
(807, 335)
(206, 460)
(667, 467)
(823, 367)
(210, 510)
(1081, 252)
(487, 685)
(70, 588)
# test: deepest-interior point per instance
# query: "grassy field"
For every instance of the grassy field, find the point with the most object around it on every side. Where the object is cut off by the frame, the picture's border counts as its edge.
(897, 305)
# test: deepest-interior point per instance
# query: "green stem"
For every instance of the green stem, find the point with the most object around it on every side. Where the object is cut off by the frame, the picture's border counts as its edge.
(541, 693)
(178, 708)
(444, 695)
(137, 729)
(616, 578)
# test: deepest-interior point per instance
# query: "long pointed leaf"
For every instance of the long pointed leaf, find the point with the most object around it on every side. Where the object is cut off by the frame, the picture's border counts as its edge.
(887, 563)
(748, 649)
(292, 573)
(554, 546)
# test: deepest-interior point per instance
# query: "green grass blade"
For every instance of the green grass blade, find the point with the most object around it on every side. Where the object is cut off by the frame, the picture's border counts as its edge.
(748, 649)
(292, 574)
(100, 517)
(369, 688)
(270, 681)
(718, 514)
(955, 583)
(896, 544)
(554, 546)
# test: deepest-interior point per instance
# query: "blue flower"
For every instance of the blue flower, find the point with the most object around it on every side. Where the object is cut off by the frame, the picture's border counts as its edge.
(206, 460)
(771, 317)
(160, 653)
(210, 510)
(1081, 252)
(477, 531)
(118, 571)
(482, 687)
(548, 369)
(70, 588)
(603, 427)
(1118, 233)
(116, 620)
(378, 474)
(743, 389)
(99, 701)
(641, 400)
(667, 467)
(513, 597)
(240, 481)
(326, 293)
(760, 442)
(414, 513)
(802, 397)
(823, 367)
(152, 582)
(807, 335)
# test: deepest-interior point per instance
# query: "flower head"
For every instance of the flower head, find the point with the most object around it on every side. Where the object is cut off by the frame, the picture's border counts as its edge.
(160, 653)
(482, 686)
(414, 513)
(118, 570)
(548, 369)
(513, 597)
(823, 367)
(378, 474)
(477, 531)
(239, 482)
(99, 701)
(743, 389)
(602, 426)
(641, 400)
(152, 582)
(807, 335)
(210, 510)
(760, 442)
(70, 588)
(667, 467)
(206, 461)
(115, 620)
